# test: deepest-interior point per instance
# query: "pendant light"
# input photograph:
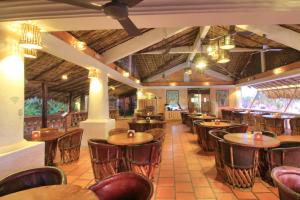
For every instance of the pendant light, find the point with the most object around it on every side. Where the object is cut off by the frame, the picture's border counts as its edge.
(188, 71)
(223, 56)
(227, 42)
(30, 37)
(30, 53)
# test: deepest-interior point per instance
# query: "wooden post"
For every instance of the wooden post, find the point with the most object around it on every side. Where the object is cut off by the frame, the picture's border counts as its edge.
(82, 103)
(44, 104)
(70, 102)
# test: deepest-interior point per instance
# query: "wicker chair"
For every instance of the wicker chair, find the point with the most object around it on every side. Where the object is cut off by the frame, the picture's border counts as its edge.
(69, 146)
(142, 127)
(240, 128)
(106, 158)
(295, 126)
(226, 114)
(143, 158)
(260, 124)
(32, 178)
(286, 154)
(275, 125)
(216, 136)
(116, 131)
(287, 179)
(157, 133)
(240, 170)
(199, 131)
(237, 117)
(125, 186)
(183, 114)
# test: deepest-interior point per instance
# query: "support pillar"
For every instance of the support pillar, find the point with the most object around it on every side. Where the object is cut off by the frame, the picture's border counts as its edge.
(16, 154)
(82, 103)
(70, 100)
(98, 123)
(44, 105)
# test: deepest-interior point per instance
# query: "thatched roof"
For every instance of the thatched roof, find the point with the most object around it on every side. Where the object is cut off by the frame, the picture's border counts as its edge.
(50, 68)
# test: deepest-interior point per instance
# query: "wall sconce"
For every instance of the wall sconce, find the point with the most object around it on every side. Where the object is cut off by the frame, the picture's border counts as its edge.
(112, 88)
(64, 77)
(137, 81)
(30, 37)
(30, 53)
(93, 73)
(79, 45)
(126, 74)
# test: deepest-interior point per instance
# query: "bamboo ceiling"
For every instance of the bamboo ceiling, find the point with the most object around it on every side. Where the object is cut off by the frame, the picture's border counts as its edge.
(50, 68)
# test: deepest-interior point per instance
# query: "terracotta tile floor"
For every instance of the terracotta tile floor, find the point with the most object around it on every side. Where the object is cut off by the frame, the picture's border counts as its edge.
(186, 172)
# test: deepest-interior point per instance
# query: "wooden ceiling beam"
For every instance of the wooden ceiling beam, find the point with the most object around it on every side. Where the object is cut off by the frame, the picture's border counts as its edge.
(48, 70)
(196, 83)
(276, 33)
(198, 42)
(139, 43)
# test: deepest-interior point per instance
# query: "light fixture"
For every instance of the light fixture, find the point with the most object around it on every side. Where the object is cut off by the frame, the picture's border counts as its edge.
(172, 84)
(137, 81)
(30, 37)
(64, 77)
(188, 71)
(93, 73)
(79, 45)
(201, 64)
(30, 53)
(112, 88)
(126, 74)
(223, 56)
(227, 42)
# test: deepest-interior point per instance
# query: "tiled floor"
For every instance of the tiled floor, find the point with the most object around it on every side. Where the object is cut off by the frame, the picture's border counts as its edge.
(185, 173)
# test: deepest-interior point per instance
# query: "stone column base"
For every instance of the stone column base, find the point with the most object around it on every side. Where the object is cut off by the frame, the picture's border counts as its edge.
(21, 156)
(97, 129)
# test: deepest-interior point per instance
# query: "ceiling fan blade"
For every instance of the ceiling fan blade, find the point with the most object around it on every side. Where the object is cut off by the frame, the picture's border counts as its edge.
(130, 27)
(130, 3)
(274, 49)
(79, 3)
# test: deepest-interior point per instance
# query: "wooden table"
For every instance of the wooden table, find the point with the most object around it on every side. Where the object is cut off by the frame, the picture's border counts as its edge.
(247, 139)
(123, 140)
(203, 117)
(50, 138)
(144, 125)
(284, 138)
(53, 192)
(153, 117)
(217, 125)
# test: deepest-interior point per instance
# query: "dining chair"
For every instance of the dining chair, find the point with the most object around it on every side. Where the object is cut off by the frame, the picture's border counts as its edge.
(124, 186)
(240, 170)
(295, 126)
(275, 125)
(157, 133)
(216, 136)
(69, 145)
(32, 178)
(260, 124)
(116, 131)
(239, 128)
(199, 129)
(287, 180)
(105, 158)
(143, 158)
(287, 154)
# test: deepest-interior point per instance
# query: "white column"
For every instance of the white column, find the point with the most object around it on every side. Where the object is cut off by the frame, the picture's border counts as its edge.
(98, 123)
(15, 153)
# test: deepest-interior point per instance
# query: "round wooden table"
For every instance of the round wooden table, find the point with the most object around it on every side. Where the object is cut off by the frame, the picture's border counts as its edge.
(122, 139)
(217, 124)
(203, 117)
(50, 138)
(247, 139)
(144, 125)
(53, 192)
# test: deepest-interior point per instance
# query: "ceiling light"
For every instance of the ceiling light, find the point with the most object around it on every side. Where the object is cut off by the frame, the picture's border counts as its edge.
(223, 56)
(188, 71)
(137, 81)
(79, 45)
(30, 53)
(30, 37)
(126, 74)
(227, 42)
(93, 73)
(201, 64)
(64, 77)
(112, 88)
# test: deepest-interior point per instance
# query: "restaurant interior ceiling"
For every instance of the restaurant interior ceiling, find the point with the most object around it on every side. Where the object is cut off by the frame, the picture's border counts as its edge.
(155, 59)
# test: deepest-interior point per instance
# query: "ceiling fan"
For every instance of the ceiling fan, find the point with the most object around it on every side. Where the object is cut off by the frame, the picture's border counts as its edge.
(266, 47)
(116, 9)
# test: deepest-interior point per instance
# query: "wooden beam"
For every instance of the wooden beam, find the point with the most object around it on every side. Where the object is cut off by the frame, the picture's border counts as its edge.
(44, 104)
(48, 70)
(197, 44)
(196, 83)
(285, 71)
(276, 33)
(139, 43)
(70, 100)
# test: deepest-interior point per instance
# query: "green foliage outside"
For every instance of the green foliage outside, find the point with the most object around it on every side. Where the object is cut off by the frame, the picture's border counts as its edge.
(33, 107)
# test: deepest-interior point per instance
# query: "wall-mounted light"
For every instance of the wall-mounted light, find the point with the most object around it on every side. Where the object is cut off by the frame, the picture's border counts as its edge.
(112, 88)
(172, 84)
(227, 42)
(30, 37)
(188, 71)
(93, 73)
(278, 71)
(137, 81)
(30, 53)
(223, 56)
(64, 77)
(126, 74)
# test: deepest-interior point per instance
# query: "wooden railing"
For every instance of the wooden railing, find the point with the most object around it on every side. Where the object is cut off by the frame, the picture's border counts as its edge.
(54, 121)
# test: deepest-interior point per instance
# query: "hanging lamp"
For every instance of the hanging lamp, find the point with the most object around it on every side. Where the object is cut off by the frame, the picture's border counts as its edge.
(30, 37)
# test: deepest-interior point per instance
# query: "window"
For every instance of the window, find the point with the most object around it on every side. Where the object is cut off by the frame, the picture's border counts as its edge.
(294, 107)
(247, 96)
(262, 102)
